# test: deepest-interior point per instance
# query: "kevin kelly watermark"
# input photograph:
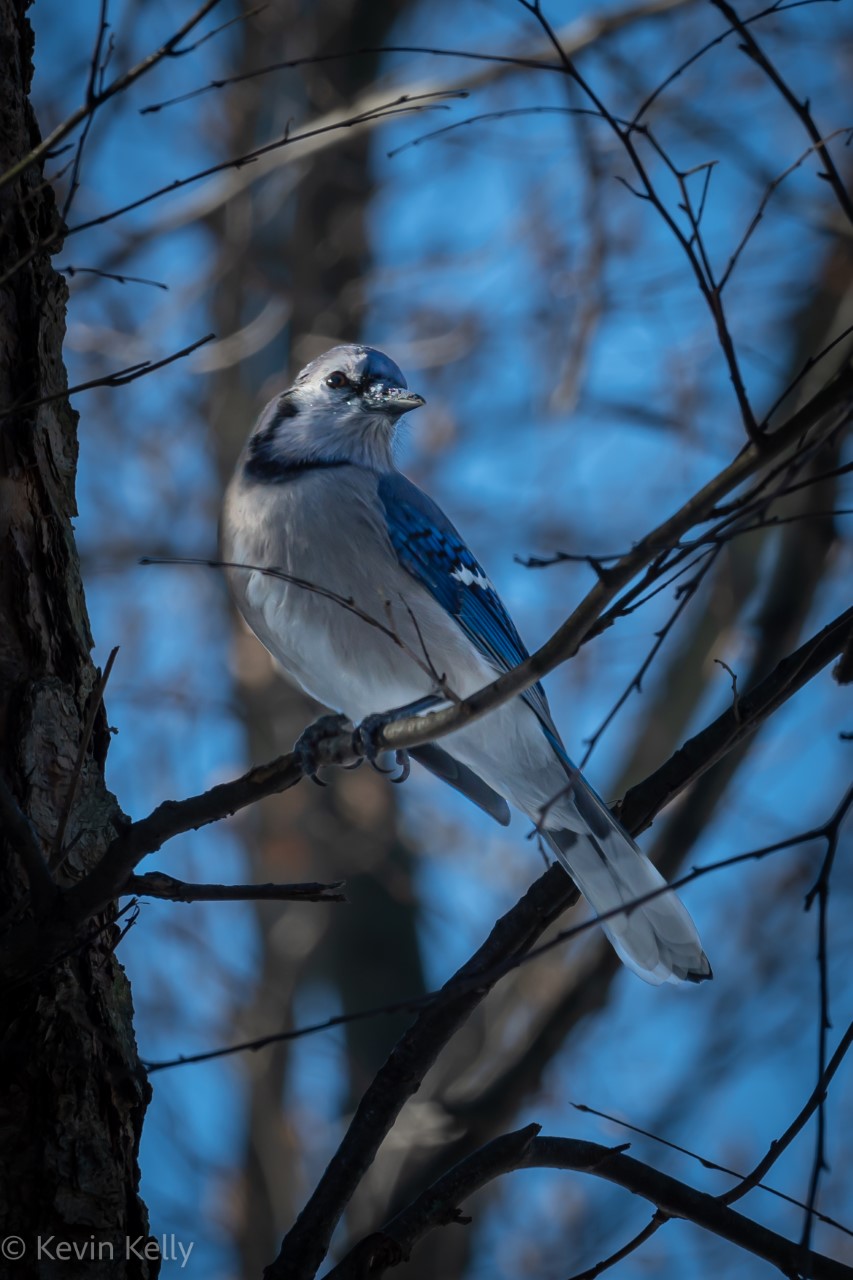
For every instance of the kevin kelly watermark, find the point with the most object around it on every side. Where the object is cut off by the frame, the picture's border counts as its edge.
(165, 1248)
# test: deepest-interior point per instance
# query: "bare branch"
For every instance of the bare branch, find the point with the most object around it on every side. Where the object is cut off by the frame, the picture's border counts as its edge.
(509, 944)
(464, 985)
(657, 1221)
(830, 832)
(72, 271)
(576, 36)
(643, 802)
(691, 245)
(706, 1162)
(119, 379)
(156, 884)
(404, 104)
(438, 1206)
(96, 100)
(801, 109)
(800, 1120)
(820, 891)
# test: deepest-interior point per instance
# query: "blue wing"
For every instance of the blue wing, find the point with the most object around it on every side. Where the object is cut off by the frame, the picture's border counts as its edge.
(434, 553)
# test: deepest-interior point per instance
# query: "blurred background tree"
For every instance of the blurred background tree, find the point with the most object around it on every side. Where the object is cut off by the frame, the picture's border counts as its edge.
(576, 392)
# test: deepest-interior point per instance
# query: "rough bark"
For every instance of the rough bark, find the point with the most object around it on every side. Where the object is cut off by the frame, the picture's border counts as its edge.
(72, 1091)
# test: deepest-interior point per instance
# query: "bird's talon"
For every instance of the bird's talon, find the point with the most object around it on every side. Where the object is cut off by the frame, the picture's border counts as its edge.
(365, 738)
(309, 744)
(405, 766)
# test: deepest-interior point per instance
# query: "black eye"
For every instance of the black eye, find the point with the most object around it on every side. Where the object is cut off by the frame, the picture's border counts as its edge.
(337, 379)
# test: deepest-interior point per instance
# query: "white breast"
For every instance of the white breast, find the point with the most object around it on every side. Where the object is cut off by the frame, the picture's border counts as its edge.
(330, 536)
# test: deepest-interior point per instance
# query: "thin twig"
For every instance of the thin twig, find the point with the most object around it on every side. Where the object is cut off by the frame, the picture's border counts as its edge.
(72, 271)
(820, 890)
(706, 1162)
(122, 82)
(657, 1221)
(118, 379)
(97, 70)
(801, 109)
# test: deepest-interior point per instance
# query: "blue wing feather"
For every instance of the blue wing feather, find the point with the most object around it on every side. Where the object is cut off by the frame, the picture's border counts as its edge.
(434, 553)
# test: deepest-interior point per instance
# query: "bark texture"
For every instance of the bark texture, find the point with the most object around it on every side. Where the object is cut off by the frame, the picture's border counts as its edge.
(72, 1091)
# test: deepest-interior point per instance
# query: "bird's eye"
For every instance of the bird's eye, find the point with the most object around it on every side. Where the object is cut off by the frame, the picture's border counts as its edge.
(337, 379)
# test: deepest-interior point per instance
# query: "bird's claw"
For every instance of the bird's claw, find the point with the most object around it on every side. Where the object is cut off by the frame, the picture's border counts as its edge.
(365, 740)
(405, 766)
(308, 745)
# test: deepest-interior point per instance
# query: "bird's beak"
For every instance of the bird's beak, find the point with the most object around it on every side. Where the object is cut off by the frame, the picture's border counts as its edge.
(394, 400)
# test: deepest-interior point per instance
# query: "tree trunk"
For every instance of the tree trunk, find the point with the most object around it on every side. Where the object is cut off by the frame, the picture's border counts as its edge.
(72, 1090)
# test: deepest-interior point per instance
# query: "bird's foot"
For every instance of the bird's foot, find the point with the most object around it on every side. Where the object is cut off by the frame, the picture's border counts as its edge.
(308, 746)
(367, 736)
(366, 739)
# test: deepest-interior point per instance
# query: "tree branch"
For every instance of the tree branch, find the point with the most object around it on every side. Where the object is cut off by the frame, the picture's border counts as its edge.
(157, 884)
(438, 1205)
(643, 802)
(801, 109)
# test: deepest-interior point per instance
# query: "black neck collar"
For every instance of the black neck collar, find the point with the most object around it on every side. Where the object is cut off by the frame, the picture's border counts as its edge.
(261, 467)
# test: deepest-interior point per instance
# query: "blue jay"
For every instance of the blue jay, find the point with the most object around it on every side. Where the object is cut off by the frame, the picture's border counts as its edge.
(379, 605)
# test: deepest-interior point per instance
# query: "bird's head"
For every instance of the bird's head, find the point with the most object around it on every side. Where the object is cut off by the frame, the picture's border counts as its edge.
(345, 405)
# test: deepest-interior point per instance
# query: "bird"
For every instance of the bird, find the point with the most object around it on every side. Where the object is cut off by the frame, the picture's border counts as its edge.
(368, 597)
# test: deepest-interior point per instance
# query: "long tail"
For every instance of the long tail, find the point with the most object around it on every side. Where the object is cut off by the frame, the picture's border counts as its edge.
(658, 939)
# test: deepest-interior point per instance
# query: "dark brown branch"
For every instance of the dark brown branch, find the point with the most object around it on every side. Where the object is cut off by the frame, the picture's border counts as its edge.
(156, 884)
(438, 1205)
(172, 818)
